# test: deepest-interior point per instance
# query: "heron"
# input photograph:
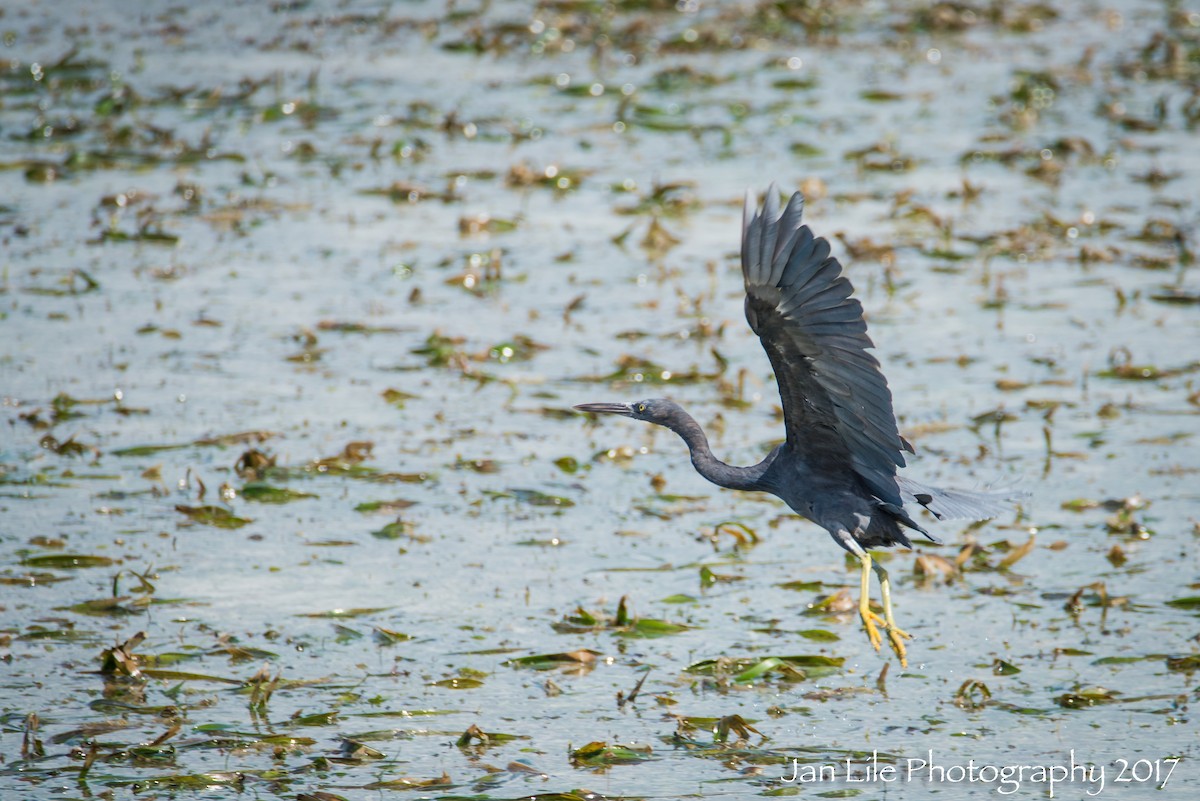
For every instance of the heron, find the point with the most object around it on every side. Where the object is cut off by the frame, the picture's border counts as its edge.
(837, 465)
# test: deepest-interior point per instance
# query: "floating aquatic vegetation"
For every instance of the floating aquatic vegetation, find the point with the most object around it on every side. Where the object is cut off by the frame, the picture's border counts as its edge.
(1125, 523)
(1178, 296)
(880, 96)
(414, 149)
(215, 516)
(116, 606)
(658, 240)
(743, 535)
(543, 542)
(929, 566)
(1085, 698)
(1184, 664)
(32, 579)
(600, 755)
(736, 725)
(802, 586)
(352, 751)
(477, 465)
(305, 111)
(254, 465)
(1121, 365)
(344, 613)
(67, 561)
(353, 454)
(746, 670)
(385, 507)
(948, 17)
(972, 695)
(484, 272)
(385, 636)
(349, 327)
(552, 176)
(120, 659)
(676, 79)
(486, 224)
(567, 661)
(404, 192)
(621, 623)
(1032, 93)
(400, 529)
(458, 683)
(835, 603)
(192, 782)
(519, 348)
(805, 150)
(397, 398)
(67, 447)
(1002, 668)
(66, 633)
(75, 282)
(532, 497)
(266, 493)
(1132, 503)
(665, 200)
(1017, 553)
(977, 558)
(146, 234)
(709, 577)
(567, 464)
(1098, 597)
(443, 782)
(881, 157)
(441, 351)
(223, 441)
(474, 737)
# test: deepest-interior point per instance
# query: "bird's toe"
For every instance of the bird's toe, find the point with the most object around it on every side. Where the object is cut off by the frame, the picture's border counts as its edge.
(871, 623)
(897, 637)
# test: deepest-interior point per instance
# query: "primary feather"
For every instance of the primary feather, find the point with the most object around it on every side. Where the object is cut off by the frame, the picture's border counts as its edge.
(837, 408)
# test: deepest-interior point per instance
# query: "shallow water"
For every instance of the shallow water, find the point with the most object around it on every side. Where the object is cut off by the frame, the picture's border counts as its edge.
(292, 228)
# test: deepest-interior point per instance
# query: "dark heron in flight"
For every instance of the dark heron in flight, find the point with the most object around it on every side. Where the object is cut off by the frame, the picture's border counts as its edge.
(837, 466)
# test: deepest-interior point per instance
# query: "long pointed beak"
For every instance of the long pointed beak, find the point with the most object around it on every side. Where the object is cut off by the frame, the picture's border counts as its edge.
(606, 408)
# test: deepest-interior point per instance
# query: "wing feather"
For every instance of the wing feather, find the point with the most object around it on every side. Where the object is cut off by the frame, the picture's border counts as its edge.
(789, 224)
(751, 234)
(837, 407)
(817, 272)
(959, 504)
(770, 216)
(807, 251)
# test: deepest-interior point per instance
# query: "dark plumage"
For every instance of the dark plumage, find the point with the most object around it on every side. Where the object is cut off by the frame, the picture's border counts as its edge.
(838, 465)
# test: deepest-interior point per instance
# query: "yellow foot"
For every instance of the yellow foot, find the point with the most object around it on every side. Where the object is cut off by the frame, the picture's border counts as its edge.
(897, 637)
(870, 622)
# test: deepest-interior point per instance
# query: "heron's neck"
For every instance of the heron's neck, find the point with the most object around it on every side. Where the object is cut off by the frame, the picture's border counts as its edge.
(709, 466)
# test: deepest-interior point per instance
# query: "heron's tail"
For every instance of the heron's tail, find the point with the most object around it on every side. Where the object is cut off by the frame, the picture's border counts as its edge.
(959, 504)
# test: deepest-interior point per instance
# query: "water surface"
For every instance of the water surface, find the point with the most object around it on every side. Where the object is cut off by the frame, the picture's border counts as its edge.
(297, 299)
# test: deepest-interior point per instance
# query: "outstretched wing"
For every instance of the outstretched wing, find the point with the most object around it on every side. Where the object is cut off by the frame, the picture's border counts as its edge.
(836, 404)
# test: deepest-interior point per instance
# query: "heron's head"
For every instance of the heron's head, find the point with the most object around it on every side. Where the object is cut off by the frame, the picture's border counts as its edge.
(653, 410)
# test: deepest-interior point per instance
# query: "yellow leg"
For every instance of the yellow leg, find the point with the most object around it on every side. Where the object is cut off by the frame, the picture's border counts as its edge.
(896, 635)
(869, 618)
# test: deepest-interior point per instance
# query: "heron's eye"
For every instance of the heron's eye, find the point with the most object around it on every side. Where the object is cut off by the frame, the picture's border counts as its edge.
(641, 407)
